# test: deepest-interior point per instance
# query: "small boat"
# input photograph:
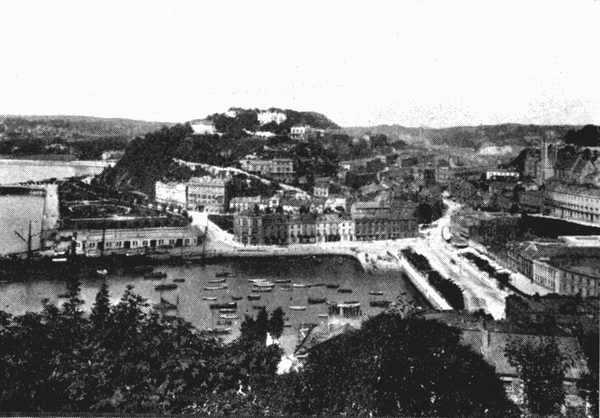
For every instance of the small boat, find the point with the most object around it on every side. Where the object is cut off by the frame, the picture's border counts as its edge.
(279, 281)
(253, 297)
(216, 287)
(179, 280)
(380, 303)
(287, 288)
(298, 308)
(63, 295)
(376, 293)
(318, 285)
(217, 281)
(323, 315)
(316, 301)
(102, 272)
(209, 297)
(236, 297)
(332, 285)
(229, 316)
(287, 325)
(300, 285)
(258, 307)
(227, 310)
(219, 331)
(344, 290)
(263, 284)
(165, 286)
(155, 275)
(223, 274)
(262, 289)
(226, 305)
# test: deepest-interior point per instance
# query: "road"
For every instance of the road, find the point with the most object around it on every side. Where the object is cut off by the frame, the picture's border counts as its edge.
(481, 292)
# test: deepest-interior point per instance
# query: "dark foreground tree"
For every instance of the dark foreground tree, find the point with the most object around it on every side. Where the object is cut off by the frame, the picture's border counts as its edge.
(397, 367)
(541, 366)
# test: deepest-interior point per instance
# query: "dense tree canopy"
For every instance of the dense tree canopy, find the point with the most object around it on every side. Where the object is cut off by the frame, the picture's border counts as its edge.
(394, 366)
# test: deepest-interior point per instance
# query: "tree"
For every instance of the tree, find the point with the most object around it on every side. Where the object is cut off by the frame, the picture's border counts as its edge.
(541, 367)
(101, 308)
(395, 366)
(276, 323)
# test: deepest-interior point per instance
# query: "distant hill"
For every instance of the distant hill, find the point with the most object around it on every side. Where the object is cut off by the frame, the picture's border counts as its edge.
(74, 128)
(475, 137)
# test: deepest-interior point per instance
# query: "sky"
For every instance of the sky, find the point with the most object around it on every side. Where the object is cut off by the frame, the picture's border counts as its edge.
(413, 63)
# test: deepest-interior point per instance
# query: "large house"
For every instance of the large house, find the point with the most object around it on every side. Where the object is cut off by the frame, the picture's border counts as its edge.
(203, 127)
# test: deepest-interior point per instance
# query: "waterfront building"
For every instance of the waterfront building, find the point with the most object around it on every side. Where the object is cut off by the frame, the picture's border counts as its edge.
(380, 220)
(106, 241)
(274, 229)
(258, 228)
(247, 228)
(171, 193)
(203, 127)
(334, 227)
(558, 266)
(475, 225)
(302, 229)
(207, 194)
(573, 202)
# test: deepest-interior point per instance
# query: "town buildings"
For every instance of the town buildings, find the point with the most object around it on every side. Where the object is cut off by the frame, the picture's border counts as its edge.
(205, 193)
(243, 203)
(280, 169)
(381, 220)
(573, 202)
(305, 132)
(260, 228)
(492, 338)
(321, 188)
(558, 265)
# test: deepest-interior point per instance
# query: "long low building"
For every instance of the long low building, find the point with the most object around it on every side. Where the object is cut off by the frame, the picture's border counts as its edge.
(573, 202)
(96, 242)
(558, 266)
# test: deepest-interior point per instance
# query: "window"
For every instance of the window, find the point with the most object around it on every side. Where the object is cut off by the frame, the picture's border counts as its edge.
(145, 243)
(161, 242)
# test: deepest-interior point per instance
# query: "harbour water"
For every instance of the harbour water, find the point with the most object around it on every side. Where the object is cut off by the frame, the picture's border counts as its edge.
(20, 297)
(15, 213)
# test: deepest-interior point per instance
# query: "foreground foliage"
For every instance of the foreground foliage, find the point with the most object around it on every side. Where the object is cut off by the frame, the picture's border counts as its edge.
(126, 358)
(395, 366)
(122, 358)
